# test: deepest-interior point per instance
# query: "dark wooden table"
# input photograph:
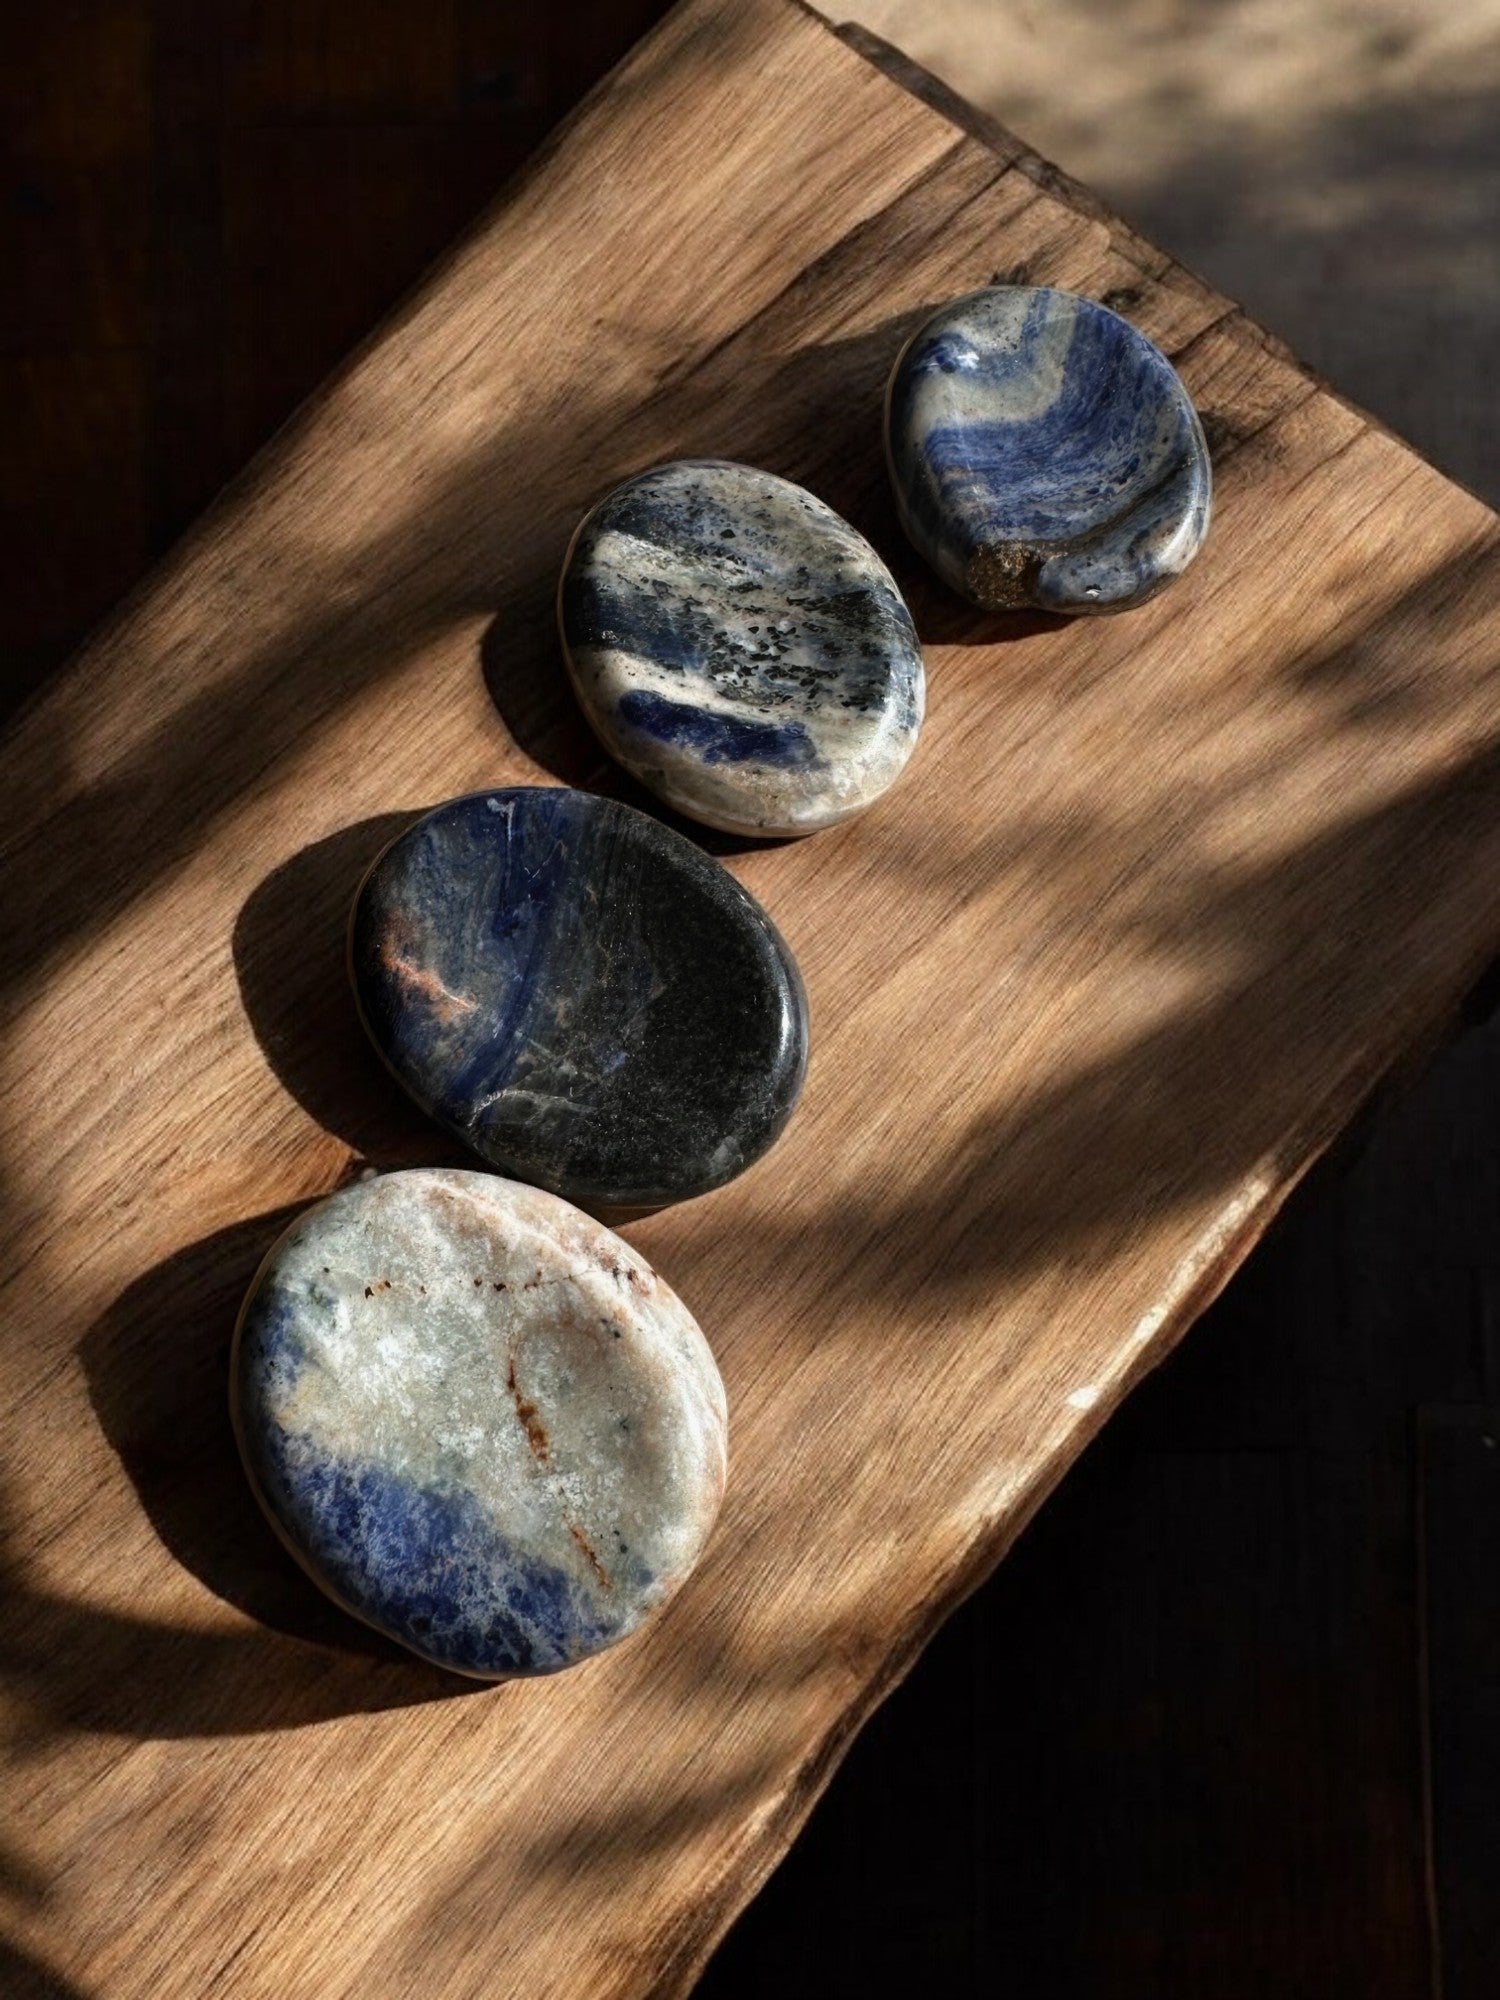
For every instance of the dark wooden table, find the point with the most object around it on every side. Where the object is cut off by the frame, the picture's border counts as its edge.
(1228, 1721)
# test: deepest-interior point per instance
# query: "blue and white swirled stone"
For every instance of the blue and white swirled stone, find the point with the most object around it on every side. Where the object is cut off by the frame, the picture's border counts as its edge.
(1044, 453)
(478, 1419)
(739, 648)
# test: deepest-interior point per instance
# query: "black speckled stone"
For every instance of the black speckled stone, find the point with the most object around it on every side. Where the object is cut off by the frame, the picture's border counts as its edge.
(580, 994)
(739, 648)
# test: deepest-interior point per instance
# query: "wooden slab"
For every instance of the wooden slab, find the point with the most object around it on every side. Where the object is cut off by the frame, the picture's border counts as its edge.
(1157, 899)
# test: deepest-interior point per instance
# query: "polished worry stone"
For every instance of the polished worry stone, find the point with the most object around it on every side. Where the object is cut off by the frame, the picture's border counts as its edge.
(580, 994)
(739, 648)
(478, 1419)
(1045, 453)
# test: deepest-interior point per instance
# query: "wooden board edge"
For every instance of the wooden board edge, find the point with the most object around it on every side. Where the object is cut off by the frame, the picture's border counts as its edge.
(910, 75)
(979, 125)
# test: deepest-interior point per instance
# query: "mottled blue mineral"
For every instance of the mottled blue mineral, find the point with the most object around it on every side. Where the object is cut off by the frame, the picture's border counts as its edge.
(1044, 453)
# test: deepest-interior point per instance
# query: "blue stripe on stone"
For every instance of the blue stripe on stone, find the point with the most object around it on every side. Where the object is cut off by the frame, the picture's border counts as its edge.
(1028, 428)
(715, 737)
(427, 1566)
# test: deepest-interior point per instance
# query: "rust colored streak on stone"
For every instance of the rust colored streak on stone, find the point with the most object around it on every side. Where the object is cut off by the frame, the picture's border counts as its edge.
(422, 981)
(531, 1418)
(594, 1563)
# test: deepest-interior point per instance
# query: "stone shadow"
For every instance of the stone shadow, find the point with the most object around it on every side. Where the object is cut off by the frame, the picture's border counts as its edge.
(291, 960)
(157, 1369)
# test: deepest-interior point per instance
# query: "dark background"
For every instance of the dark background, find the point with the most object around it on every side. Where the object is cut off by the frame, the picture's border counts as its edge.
(1227, 1723)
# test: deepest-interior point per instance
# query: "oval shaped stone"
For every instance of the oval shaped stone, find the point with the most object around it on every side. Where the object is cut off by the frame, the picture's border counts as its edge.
(739, 648)
(580, 994)
(1043, 452)
(478, 1419)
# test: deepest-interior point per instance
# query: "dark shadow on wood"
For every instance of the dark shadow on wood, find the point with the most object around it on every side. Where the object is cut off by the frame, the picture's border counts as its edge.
(23, 1978)
(521, 656)
(157, 1367)
(290, 946)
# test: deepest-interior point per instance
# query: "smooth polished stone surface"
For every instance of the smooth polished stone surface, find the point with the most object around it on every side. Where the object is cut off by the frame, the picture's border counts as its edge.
(580, 994)
(1045, 453)
(478, 1419)
(739, 648)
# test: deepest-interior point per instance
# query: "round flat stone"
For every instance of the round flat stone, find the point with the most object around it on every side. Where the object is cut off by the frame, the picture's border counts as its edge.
(1045, 453)
(580, 994)
(478, 1419)
(739, 648)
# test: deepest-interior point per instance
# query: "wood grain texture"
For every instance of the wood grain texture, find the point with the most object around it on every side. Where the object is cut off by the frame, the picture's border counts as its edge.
(1156, 901)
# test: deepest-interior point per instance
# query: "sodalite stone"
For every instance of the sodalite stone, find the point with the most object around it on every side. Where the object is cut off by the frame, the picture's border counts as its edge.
(1044, 453)
(580, 994)
(739, 648)
(478, 1419)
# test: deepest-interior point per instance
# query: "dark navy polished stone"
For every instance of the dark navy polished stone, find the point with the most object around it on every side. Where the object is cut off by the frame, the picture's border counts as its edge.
(478, 1419)
(740, 648)
(580, 994)
(1044, 453)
